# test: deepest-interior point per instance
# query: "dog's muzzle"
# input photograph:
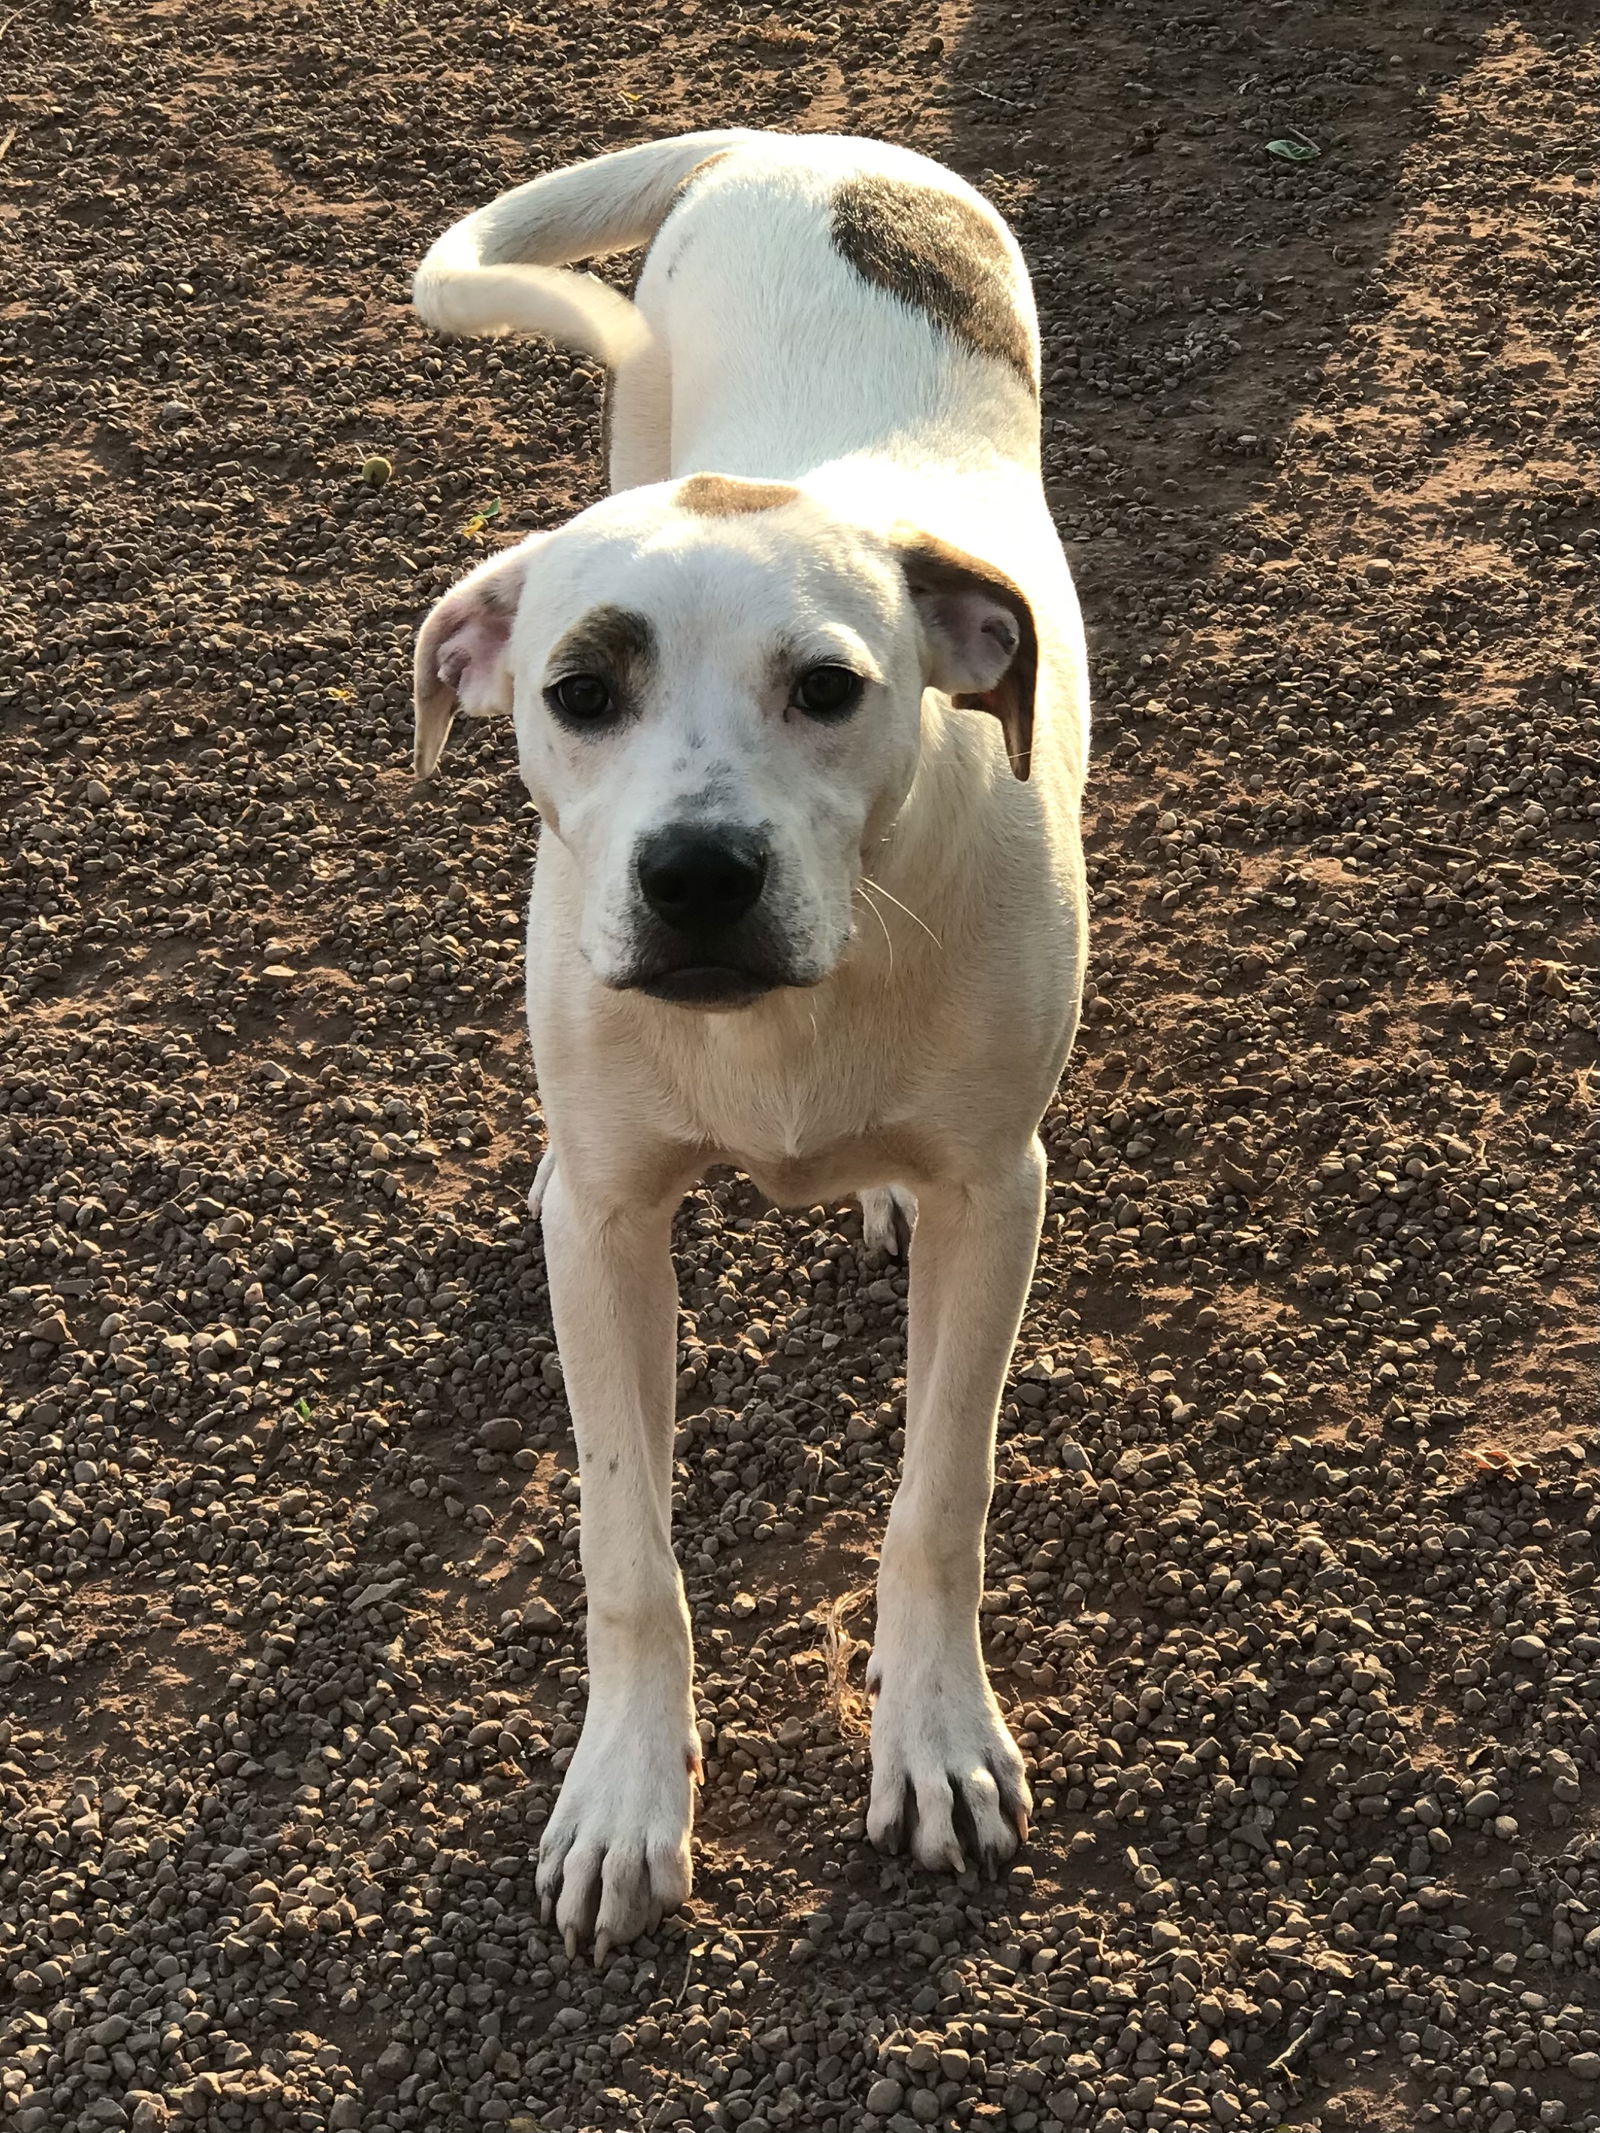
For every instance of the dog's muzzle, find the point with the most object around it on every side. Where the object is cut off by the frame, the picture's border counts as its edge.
(706, 940)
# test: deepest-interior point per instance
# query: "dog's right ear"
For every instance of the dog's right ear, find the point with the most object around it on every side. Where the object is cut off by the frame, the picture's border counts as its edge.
(463, 652)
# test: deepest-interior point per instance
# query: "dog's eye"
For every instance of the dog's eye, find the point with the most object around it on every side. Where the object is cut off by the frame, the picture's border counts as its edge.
(579, 699)
(828, 692)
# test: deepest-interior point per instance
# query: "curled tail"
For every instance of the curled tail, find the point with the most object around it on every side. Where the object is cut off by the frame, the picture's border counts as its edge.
(499, 270)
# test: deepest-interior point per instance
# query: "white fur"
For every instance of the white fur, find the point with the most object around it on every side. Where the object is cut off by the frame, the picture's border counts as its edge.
(477, 278)
(929, 903)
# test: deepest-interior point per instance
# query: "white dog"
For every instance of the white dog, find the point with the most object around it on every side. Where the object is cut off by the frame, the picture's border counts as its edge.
(803, 705)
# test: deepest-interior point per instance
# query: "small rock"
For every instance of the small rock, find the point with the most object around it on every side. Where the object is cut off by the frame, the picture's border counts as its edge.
(885, 2097)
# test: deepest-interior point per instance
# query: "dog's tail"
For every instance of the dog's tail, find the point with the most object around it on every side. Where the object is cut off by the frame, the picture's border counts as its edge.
(497, 271)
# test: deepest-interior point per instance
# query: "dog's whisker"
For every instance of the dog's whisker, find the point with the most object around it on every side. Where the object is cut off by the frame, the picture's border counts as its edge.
(867, 882)
(882, 928)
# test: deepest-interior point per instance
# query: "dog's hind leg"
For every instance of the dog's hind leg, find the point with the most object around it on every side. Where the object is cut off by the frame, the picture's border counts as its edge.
(887, 1215)
(636, 420)
(542, 1180)
(947, 1779)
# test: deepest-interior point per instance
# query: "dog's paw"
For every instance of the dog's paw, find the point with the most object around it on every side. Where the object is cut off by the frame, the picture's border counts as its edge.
(541, 1182)
(614, 1858)
(948, 1782)
(887, 1213)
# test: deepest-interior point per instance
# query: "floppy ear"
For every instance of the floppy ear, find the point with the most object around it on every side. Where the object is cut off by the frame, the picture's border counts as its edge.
(462, 661)
(983, 649)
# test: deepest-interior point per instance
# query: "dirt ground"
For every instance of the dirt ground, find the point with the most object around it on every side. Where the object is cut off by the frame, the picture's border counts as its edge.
(1292, 1587)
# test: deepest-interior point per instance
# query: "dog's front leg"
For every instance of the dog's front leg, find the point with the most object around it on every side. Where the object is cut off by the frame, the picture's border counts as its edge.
(615, 1855)
(946, 1775)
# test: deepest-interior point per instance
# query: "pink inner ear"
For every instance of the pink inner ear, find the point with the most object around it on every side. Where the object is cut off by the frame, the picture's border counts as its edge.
(981, 634)
(471, 657)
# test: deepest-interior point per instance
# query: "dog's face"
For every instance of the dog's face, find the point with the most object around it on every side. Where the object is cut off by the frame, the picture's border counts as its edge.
(717, 688)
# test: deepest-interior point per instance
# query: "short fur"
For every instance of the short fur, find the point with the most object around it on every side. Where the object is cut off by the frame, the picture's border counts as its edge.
(824, 455)
(713, 496)
(938, 255)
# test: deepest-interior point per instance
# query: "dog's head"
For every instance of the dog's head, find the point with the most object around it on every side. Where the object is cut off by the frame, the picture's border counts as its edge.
(717, 687)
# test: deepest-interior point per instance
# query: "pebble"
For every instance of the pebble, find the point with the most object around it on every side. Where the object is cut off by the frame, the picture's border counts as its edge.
(501, 1433)
(1290, 1586)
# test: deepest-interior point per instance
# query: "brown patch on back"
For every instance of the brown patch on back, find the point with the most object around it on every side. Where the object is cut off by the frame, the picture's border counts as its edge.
(939, 255)
(725, 496)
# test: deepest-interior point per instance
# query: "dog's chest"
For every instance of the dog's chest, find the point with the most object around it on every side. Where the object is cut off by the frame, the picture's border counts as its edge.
(809, 1120)
(833, 1174)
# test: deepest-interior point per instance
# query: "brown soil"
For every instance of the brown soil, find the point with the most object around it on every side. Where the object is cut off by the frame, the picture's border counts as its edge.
(1292, 1589)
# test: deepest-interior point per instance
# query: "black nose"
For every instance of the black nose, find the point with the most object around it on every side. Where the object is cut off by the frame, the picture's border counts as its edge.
(700, 880)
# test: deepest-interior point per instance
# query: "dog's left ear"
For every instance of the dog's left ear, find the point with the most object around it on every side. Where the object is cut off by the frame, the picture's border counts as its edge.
(462, 659)
(982, 645)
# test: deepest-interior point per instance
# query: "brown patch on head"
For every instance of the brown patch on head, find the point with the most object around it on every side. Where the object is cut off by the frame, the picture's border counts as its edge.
(614, 643)
(725, 496)
(940, 255)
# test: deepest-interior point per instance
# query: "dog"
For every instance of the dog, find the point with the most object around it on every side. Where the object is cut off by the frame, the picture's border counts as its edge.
(803, 704)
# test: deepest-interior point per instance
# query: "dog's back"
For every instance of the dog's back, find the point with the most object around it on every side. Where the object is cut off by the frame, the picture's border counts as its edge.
(868, 293)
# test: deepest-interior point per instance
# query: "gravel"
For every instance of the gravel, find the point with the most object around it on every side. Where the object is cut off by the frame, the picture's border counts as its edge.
(1292, 1591)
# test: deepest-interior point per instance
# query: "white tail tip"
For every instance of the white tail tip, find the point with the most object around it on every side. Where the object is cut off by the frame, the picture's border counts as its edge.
(571, 308)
